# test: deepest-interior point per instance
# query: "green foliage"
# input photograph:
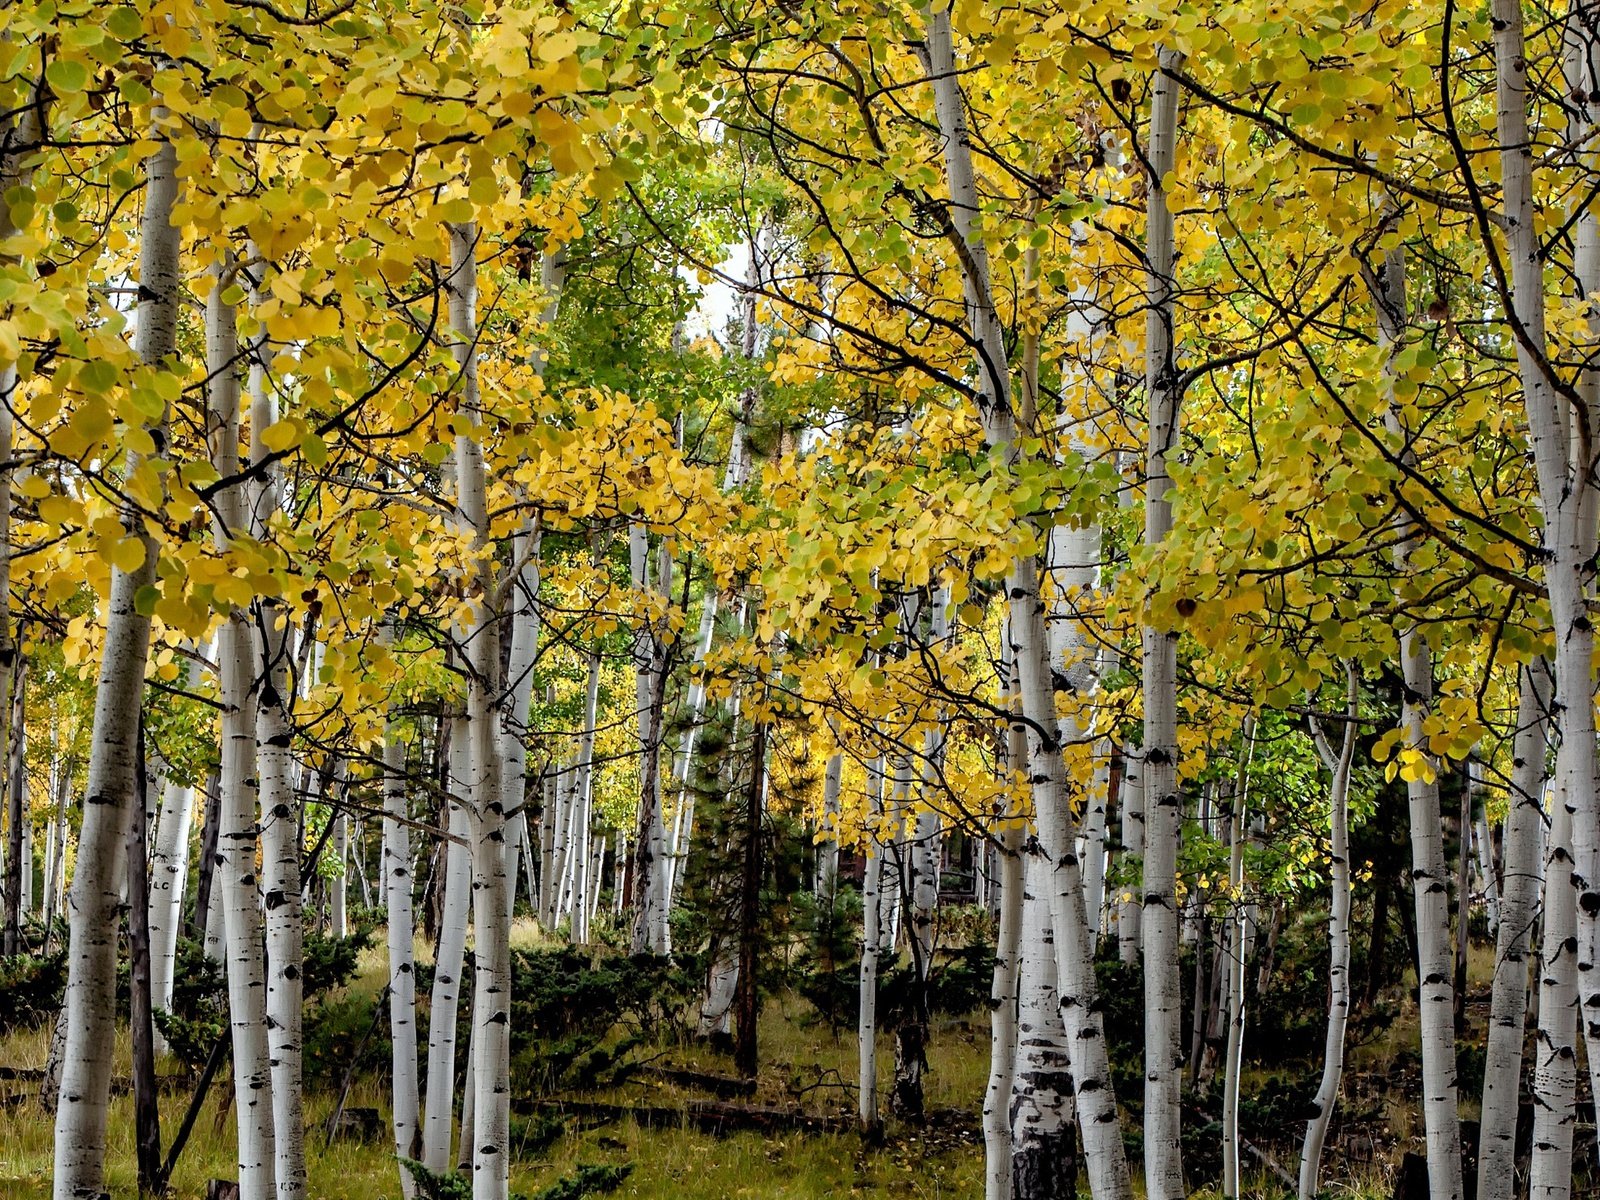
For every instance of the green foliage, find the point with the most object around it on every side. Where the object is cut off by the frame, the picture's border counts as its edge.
(332, 962)
(586, 1181)
(829, 966)
(31, 988)
(449, 1185)
(336, 1031)
(579, 1013)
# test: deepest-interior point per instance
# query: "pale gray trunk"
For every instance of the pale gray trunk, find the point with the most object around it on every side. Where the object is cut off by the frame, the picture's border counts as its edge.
(80, 1126)
(1508, 1003)
(169, 868)
(1003, 1022)
(1043, 1162)
(1339, 766)
(1233, 1063)
(438, 1109)
(400, 937)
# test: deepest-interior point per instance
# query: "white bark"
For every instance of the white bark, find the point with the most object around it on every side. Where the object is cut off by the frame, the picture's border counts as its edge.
(1339, 766)
(1097, 1114)
(169, 869)
(827, 875)
(650, 930)
(235, 884)
(1555, 1074)
(867, 1018)
(1003, 1022)
(1429, 874)
(1564, 466)
(1041, 1096)
(338, 909)
(1233, 1063)
(400, 935)
(80, 1129)
(280, 811)
(1508, 1003)
(439, 1109)
(491, 921)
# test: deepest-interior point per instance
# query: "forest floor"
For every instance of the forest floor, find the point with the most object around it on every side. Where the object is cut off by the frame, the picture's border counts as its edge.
(803, 1065)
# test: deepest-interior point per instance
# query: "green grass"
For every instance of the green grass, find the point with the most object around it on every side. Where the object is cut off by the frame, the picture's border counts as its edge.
(668, 1162)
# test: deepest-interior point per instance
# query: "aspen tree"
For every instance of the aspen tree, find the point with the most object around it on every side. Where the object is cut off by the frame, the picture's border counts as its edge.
(1339, 764)
(1102, 1138)
(1508, 1001)
(80, 1128)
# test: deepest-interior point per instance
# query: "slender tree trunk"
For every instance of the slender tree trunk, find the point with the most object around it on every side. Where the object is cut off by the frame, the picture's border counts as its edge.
(1044, 1161)
(1339, 765)
(1097, 1113)
(650, 929)
(1003, 1020)
(827, 876)
(18, 861)
(80, 1131)
(1233, 1064)
(169, 870)
(1163, 1157)
(146, 1111)
(439, 1108)
(338, 910)
(237, 821)
(871, 951)
(401, 936)
(1564, 460)
(1524, 828)
(281, 842)
(1130, 909)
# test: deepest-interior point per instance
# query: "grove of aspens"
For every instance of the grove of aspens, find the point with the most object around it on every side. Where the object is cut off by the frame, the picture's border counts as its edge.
(789, 599)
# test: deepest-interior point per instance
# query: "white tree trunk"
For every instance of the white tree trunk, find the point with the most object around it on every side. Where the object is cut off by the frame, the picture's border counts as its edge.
(1508, 1003)
(438, 1109)
(1339, 766)
(1233, 1063)
(280, 812)
(338, 905)
(1003, 1022)
(867, 1019)
(1568, 497)
(1042, 1151)
(1163, 1158)
(169, 870)
(1097, 1113)
(1555, 1058)
(827, 876)
(650, 929)
(1429, 874)
(80, 1129)
(401, 937)
(234, 889)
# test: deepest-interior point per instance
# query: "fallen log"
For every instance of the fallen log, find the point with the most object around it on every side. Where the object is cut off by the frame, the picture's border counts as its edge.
(721, 1086)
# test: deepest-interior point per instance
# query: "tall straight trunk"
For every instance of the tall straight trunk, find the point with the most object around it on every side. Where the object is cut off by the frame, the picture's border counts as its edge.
(1233, 1064)
(18, 862)
(1559, 428)
(281, 843)
(1555, 1061)
(1043, 1149)
(491, 922)
(141, 1026)
(1429, 872)
(169, 869)
(523, 603)
(1524, 829)
(235, 881)
(1483, 847)
(1003, 1022)
(1097, 1112)
(1130, 911)
(401, 937)
(56, 852)
(580, 809)
(1339, 766)
(1581, 69)
(867, 1017)
(439, 1109)
(650, 927)
(1163, 1158)
(20, 134)
(80, 1130)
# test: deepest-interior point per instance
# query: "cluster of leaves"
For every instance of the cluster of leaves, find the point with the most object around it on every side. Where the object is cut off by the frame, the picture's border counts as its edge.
(31, 987)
